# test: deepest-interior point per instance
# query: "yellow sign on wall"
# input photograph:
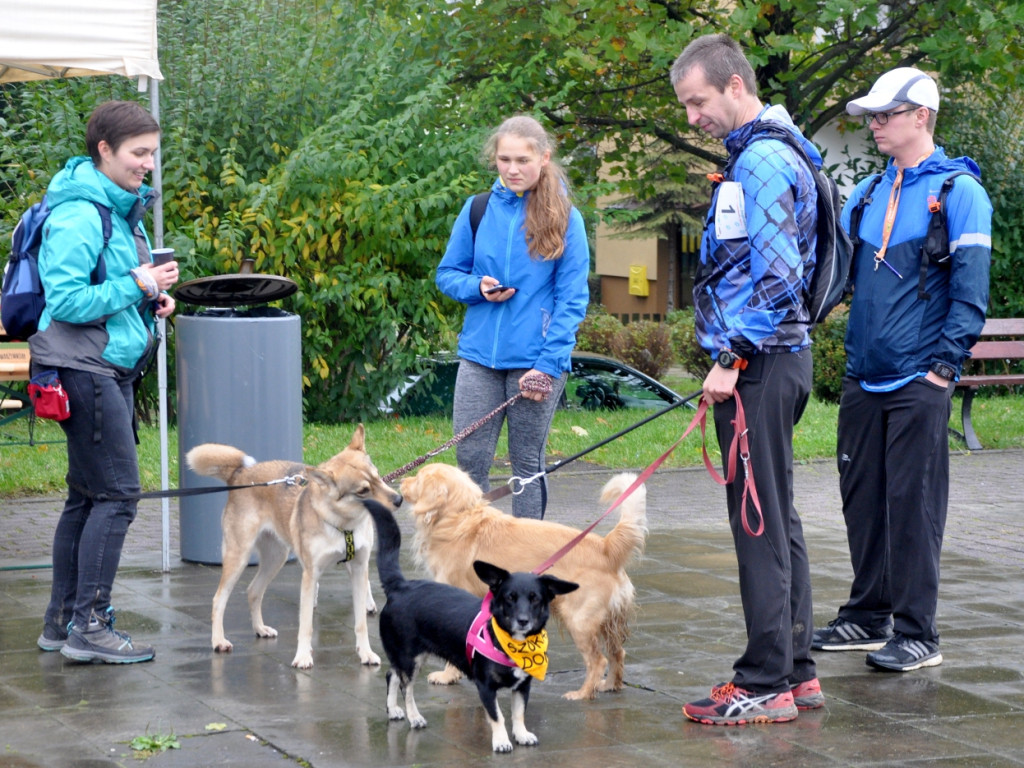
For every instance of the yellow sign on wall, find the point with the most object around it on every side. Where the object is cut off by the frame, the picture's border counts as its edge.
(638, 283)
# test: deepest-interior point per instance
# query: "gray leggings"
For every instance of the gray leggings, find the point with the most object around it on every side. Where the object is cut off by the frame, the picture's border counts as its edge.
(478, 391)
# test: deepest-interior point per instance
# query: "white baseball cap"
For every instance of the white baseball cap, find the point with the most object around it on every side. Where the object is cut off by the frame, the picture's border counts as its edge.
(904, 85)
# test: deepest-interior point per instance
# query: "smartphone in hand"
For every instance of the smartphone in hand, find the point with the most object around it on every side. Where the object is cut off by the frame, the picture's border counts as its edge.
(497, 288)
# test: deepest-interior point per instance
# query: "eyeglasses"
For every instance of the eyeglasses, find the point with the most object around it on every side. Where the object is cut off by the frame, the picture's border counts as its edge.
(883, 117)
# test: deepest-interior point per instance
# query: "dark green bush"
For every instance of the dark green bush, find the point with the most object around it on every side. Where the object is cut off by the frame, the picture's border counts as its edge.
(645, 345)
(830, 355)
(688, 352)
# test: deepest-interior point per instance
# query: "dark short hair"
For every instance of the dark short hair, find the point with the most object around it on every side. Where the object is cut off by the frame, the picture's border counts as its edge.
(720, 57)
(115, 121)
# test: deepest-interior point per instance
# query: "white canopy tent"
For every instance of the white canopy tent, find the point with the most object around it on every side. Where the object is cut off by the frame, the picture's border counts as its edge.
(42, 39)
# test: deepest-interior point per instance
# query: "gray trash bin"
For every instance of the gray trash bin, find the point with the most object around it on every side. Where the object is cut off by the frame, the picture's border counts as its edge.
(239, 377)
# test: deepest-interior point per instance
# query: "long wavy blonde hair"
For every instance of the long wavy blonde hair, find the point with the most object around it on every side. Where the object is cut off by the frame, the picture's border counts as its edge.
(548, 205)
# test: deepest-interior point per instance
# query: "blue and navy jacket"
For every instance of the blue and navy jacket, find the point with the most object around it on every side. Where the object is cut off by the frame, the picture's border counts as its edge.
(893, 334)
(749, 291)
(536, 328)
(106, 328)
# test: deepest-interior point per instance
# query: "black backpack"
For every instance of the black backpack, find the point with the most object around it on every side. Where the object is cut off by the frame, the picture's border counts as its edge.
(834, 251)
(935, 249)
(22, 301)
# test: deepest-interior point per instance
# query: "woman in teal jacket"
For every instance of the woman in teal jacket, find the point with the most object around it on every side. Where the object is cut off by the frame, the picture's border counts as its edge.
(523, 278)
(98, 336)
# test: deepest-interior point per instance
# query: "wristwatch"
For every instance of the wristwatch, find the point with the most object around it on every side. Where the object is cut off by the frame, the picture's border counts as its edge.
(944, 370)
(729, 359)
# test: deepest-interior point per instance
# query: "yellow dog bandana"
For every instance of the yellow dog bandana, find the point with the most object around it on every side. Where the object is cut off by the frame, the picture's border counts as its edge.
(530, 655)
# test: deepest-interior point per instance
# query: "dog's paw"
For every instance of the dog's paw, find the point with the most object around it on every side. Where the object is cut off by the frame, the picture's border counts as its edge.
(418, 722)
(265, 631)
(502, 746)
(303, 660)
(369, 658)
(526, 739)
(396, 713)
(580, 695)
(222, 646)
(447, 676)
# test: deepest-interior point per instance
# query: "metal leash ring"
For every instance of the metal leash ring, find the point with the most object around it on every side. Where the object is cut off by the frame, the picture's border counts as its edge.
(518, 484)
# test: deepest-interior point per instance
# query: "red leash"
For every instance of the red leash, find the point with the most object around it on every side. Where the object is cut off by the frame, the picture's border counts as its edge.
(740, 446)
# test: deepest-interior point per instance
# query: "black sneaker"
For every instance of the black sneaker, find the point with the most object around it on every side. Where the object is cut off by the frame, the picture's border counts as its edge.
(101, 642)
(52, 638)
(843, 635)
(903, 654)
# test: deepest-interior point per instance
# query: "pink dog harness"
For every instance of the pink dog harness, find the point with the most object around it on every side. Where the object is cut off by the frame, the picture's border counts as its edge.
(479, 639)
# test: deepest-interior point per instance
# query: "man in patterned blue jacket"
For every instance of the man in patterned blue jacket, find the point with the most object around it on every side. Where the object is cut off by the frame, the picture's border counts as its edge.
(909, 332)
(756, 260)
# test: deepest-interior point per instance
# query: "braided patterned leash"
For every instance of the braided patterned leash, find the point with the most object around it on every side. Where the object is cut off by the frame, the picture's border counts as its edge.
(533, 383)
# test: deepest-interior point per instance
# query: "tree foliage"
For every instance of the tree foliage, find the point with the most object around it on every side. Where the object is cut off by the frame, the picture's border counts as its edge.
(335, 142)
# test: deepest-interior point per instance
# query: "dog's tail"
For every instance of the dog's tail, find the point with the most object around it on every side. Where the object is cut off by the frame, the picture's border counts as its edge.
(216, 460)
(389, 544)
(627, 538)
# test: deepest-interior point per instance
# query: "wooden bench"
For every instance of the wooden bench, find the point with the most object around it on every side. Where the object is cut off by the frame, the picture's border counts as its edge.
(995, 343)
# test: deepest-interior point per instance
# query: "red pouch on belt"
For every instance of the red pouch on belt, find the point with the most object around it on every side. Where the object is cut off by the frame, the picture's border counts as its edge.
(48, 397)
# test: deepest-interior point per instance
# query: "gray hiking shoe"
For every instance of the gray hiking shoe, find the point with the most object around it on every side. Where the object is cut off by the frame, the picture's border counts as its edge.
(52, 638)
(101, 642)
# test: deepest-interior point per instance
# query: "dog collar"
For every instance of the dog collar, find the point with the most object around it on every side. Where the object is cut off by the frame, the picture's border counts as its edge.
(350, 547)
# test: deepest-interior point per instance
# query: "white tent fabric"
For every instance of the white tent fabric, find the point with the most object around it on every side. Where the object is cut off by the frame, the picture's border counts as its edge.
(43, 39)
(69, 38)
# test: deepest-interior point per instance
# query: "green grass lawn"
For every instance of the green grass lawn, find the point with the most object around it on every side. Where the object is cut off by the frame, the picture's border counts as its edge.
(39, 469)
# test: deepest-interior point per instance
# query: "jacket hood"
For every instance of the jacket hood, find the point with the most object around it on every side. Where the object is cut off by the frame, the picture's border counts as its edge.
(79, 179)
(775, 113)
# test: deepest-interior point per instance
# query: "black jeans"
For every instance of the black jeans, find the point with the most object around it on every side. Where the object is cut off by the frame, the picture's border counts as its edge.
(101, 458)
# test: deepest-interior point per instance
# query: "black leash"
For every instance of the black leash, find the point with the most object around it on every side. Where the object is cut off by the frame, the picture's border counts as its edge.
(297, 480)
(515, 484)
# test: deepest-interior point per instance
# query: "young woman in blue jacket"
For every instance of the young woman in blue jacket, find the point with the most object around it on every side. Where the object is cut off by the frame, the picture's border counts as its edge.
(523, 278)
(98, 337)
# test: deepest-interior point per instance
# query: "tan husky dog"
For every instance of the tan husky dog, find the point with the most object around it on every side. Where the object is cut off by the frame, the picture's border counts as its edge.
(323, 522)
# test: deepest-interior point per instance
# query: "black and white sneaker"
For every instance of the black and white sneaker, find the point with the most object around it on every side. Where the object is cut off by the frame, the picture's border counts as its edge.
(99, 641)
(843, 635)
(904, 654)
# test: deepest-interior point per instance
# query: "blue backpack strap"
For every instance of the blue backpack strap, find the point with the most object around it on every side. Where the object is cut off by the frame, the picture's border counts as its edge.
(476, 211)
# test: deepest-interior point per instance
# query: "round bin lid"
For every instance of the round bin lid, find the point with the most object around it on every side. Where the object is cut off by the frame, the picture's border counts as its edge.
(239, 290)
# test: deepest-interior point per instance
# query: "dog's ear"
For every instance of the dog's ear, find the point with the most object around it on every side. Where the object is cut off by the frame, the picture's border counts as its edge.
(491, 575)
(358, 439)
(322, 479)
(559, 586)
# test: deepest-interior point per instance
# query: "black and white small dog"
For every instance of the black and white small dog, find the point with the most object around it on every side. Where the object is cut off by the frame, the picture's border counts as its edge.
(428, 618)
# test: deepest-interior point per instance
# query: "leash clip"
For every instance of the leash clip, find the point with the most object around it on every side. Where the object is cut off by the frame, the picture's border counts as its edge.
(518, 484)
(299, 480)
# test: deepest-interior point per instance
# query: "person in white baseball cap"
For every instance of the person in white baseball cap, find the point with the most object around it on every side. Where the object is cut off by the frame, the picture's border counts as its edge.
(896, 88)
(918, 305)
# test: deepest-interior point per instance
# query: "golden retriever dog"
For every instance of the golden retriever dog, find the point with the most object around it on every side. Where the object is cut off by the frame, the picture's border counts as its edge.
(323, 522)
(454, 527)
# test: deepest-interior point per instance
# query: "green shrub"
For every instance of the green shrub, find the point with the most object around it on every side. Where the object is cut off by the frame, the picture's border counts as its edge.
(645, 345)
(830, 355)
(597, 332)
(688, 352)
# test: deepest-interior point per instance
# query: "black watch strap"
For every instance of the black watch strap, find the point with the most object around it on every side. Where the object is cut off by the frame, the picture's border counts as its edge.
(945, 370)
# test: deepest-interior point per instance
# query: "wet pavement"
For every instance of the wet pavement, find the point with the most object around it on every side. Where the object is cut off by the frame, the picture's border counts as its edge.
(250, 708)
